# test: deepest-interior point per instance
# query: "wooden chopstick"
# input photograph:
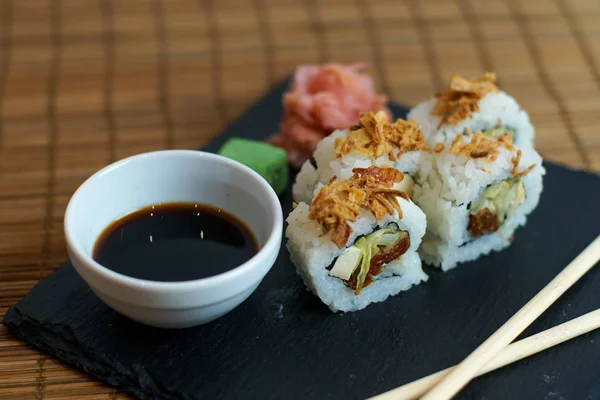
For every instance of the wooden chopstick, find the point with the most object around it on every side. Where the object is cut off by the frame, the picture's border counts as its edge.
(470, 366)
(515, 352)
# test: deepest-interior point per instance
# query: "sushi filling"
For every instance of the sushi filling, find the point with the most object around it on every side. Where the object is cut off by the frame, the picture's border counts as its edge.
(497, 132)
(360, 263)
(494, 205)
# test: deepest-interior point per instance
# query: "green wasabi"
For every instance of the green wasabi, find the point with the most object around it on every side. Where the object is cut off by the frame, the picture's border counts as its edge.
(268, 161)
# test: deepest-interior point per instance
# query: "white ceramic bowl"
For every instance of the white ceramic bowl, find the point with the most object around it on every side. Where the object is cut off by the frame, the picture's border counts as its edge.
(173, 176)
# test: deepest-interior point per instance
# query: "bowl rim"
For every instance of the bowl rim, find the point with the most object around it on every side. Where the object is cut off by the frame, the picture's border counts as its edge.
(271, 245)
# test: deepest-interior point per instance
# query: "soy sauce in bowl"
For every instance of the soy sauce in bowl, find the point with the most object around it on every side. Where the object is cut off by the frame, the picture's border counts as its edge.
(175, 242)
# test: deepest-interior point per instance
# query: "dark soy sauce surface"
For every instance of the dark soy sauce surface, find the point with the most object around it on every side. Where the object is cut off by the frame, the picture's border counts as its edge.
(175, 242)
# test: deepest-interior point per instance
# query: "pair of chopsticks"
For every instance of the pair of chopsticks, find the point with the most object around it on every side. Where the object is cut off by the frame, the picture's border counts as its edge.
(497, 351)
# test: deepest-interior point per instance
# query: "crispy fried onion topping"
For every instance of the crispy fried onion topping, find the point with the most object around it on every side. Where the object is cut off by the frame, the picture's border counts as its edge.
(340, 202)
(479, 145)
(515, 162)
(376, 136)
(438, 148)
(461, 98)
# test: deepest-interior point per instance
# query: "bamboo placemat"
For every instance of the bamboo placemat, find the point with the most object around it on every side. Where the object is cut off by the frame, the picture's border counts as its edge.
(85, 83)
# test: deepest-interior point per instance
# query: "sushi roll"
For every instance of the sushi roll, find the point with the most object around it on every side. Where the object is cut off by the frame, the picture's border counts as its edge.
(374, 142)
(357, 242)
(470, 105)
(479, 191)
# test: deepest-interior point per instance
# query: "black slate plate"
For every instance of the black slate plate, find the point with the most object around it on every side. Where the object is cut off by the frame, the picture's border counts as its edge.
(283, 343)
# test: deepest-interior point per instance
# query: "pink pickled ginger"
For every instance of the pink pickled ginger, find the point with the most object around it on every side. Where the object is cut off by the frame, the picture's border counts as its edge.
(321, 100)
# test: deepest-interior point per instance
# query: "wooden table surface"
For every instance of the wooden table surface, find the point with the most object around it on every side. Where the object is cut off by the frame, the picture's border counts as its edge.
(84, 83)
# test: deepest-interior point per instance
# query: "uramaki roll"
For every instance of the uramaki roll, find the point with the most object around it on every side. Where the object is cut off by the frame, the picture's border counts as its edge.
(357, 242)
(479, 191)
